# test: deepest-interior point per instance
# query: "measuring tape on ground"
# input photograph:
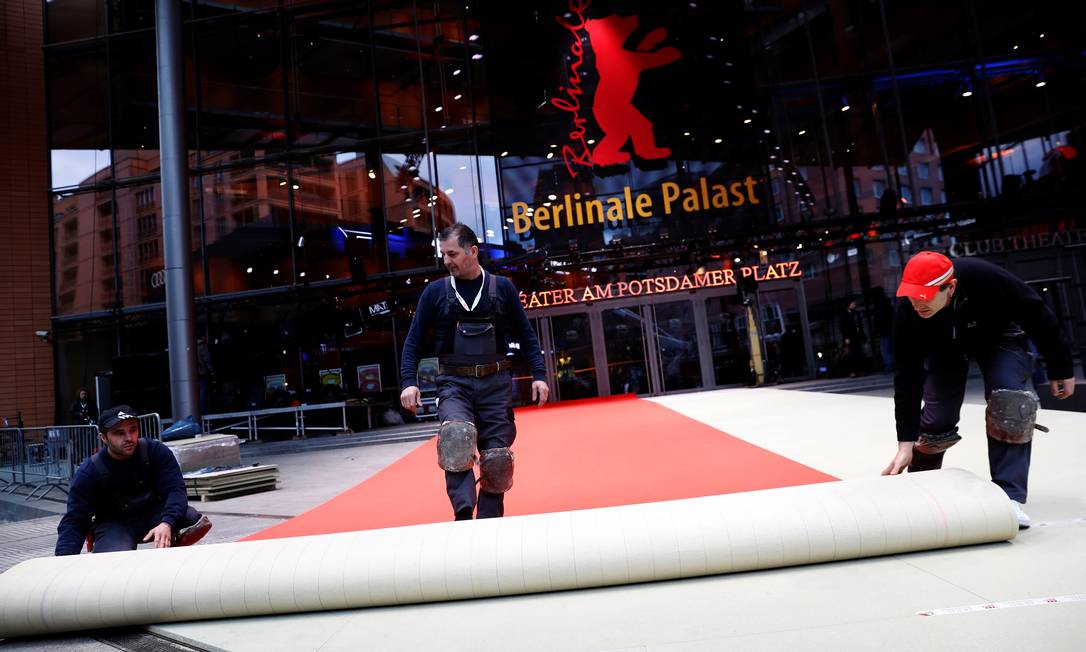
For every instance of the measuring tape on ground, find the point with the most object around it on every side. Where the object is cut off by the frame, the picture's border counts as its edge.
(989, 606)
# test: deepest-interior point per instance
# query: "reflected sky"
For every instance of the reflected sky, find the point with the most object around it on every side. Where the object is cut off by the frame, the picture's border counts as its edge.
(72, 167)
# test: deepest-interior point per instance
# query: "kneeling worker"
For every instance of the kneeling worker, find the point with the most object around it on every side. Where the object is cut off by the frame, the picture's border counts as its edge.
(957, 311)
(474, 315)
(129, 491)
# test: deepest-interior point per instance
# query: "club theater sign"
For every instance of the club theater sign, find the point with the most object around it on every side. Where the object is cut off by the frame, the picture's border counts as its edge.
(658, 285)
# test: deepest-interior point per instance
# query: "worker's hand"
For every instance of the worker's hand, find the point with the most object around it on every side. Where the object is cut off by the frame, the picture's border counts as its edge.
(162, 535)
(540, 392)
(902, 459)
(1062, 389)
(410, 399)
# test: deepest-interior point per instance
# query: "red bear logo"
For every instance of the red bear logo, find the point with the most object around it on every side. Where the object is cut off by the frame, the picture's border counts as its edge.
(619, 70)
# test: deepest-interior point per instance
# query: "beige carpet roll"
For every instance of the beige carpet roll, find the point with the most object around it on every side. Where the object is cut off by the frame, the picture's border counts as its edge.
(523, 554)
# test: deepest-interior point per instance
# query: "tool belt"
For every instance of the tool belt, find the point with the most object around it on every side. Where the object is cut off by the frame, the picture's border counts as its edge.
(475, 371)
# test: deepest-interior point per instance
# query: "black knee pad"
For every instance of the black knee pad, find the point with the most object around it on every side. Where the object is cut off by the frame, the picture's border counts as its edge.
(456, 441)
(496, 470)
(1011, 415)
(932, 443)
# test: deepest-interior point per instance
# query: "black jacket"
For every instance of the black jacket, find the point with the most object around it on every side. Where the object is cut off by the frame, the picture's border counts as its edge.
(432, 312)
(90, 497)
(989, 305)
(84, 413)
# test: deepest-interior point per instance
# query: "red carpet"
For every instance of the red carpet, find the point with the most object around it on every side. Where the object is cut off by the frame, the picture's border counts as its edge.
(575, 455)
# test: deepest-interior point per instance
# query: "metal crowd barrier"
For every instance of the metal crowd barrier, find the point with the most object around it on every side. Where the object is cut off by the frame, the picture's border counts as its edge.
(249, 420)
(151, 426)
(45, 458)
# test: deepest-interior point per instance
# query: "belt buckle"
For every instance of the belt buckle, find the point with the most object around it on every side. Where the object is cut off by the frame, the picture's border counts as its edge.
(477, 374)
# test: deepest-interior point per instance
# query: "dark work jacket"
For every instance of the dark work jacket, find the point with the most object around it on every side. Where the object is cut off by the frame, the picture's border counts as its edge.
(129, 479)
(84, 413)
(432, 315)
(989, 306)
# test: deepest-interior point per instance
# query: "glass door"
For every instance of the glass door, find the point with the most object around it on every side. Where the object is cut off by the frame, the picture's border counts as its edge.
(574, 357)
(625, 346)
(675, 333)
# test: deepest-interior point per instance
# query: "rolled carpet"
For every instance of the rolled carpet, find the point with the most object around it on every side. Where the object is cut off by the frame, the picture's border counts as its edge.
(523, 554)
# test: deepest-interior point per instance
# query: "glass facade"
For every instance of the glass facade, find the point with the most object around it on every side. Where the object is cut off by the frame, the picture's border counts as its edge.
(800, 154)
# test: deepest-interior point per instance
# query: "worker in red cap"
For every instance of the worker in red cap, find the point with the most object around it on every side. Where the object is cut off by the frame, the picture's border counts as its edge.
(954, 312)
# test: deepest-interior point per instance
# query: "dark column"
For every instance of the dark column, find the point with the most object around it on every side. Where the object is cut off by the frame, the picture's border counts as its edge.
(176, 236)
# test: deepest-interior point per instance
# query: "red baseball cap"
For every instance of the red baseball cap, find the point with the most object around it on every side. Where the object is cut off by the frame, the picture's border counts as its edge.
(924, 273)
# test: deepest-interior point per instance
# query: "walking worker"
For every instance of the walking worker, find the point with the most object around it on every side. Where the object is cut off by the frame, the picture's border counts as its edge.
(961, 310)
(474, 316)
(129, 491)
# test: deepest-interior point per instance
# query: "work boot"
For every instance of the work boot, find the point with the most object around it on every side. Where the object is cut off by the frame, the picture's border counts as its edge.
(187, 536)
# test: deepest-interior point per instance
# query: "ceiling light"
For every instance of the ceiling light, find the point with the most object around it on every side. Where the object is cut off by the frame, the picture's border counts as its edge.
(476, 57)
(248, 270)
(457, 96)
(372, 174)
(718, 141)
(456, 72)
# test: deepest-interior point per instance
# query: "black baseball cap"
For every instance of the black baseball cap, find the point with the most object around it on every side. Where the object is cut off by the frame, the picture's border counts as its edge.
(115, 415)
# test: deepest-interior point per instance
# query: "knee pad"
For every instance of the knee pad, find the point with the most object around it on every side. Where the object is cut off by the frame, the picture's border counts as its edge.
(496, 470)
(933, 443)
(456, 442)
(1011, 415)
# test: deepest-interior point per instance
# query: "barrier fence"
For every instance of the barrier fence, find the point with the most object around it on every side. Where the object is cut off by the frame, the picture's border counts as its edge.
(45, 458)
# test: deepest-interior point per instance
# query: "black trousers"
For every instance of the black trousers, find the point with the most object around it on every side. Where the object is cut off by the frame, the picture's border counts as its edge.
(488, 403)
(1009, 365)
(112, 535)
